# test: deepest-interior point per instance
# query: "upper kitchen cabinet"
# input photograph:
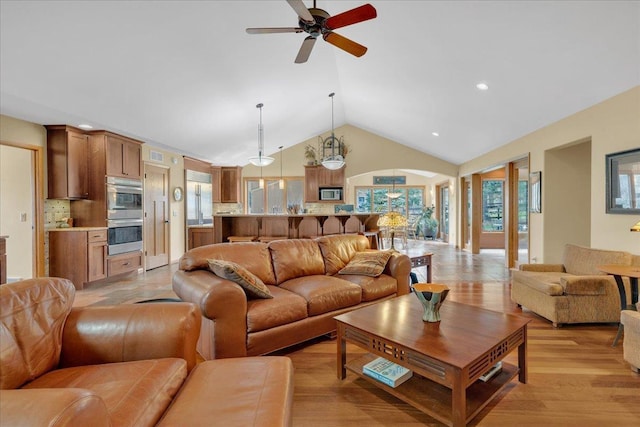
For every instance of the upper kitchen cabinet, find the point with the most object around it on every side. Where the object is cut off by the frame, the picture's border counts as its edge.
(230, 188)
(216, 178)
(316, 177)
(115, 155)
(330, 178)
(67, 171)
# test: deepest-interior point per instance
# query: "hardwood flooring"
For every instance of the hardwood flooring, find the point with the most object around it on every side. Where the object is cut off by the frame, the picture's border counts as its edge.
(575, 377)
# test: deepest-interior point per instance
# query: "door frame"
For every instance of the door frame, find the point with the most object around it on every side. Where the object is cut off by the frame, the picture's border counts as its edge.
(37, 154)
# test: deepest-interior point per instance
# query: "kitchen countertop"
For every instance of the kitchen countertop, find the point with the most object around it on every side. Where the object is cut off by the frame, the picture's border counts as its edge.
(77, 229)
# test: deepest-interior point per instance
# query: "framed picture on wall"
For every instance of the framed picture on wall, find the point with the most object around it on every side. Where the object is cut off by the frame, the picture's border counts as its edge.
(623, 182)
(535, 192)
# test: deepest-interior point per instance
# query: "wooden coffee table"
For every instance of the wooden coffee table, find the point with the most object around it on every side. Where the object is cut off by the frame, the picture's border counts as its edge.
(447, 358)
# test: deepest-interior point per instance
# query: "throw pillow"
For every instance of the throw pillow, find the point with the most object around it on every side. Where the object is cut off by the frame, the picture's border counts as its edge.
(367, 263)
(252, 285)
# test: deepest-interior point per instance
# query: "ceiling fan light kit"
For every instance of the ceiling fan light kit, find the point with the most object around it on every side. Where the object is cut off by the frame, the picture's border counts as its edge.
(260, 160)
(317, 22)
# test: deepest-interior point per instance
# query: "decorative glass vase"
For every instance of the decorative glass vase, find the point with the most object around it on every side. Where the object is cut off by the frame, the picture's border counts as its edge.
(431, 296)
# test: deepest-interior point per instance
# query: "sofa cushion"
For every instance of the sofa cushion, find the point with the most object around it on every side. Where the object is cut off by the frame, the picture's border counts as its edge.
(373, 288)
(135, 393)
(285, 307)
(324, 293)
(252, 285)
(254, 256)
(32, 315)
(583, 261)
(295, 258)
(586, 285)
(547, 283)
(367, 263)
(259, 393)
(338, 250)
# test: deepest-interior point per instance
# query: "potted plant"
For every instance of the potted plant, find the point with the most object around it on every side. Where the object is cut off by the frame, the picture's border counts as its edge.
(426, 224)
(310, 154)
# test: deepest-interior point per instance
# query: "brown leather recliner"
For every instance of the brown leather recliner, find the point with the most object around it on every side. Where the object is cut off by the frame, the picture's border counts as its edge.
(125, 365)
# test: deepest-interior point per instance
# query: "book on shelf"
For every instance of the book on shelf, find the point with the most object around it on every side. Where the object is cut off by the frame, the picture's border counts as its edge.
(387, 372)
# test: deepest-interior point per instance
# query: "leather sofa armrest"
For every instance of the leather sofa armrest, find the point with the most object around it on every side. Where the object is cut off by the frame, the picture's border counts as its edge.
(223, 302)
(399, 267)
(542, 268)
(95, 335)
(53, 407)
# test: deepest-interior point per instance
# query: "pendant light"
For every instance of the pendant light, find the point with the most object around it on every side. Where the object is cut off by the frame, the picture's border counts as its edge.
(281, 182)
(393, 194)
(333, 161)
(260, 160)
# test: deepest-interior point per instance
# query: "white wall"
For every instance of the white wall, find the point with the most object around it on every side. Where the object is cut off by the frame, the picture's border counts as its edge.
(16, 191)
(17, 210)
(612, 125)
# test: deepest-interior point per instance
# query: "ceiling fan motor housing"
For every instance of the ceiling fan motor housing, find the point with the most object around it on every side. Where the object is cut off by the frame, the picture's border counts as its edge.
(315, 29)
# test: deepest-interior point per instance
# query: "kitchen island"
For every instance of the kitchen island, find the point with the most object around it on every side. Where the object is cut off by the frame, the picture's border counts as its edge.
(290, 226)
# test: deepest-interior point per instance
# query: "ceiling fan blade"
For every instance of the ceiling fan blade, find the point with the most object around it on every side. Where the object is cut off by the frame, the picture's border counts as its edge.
(301, 10)
(353, 16)
(305, 50)
(345, 44)
(274, 30)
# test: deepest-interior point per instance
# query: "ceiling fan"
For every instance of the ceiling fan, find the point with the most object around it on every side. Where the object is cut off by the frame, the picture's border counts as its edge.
(318, 22)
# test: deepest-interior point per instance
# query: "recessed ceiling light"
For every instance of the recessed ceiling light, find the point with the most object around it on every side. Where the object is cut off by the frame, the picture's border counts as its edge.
(85, 126)
(435, 134)
(482, 86)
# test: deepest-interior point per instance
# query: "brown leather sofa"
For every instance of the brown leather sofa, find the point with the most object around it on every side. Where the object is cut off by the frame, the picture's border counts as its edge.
(126, 365)
(302, 276)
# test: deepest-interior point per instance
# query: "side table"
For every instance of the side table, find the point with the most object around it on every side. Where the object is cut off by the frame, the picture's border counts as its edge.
(618, 271)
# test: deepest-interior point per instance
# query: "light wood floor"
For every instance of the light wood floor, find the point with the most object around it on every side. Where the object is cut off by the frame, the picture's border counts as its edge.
(575, 377)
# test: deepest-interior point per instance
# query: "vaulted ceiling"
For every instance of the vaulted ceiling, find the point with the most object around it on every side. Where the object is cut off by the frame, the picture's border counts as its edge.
(186, 76)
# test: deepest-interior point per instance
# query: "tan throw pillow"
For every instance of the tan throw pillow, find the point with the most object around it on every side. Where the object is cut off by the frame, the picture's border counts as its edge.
(367, 263)
(252, 285)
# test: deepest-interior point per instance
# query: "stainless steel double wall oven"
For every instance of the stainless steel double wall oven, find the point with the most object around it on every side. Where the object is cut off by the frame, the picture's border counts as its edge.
(124, 215)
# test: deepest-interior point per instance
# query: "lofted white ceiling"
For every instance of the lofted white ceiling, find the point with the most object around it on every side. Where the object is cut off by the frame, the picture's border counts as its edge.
(184, 75)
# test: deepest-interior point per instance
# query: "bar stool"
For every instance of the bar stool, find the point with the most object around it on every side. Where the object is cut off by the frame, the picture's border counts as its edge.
(374, 238)
(236, 239)
(267, 239)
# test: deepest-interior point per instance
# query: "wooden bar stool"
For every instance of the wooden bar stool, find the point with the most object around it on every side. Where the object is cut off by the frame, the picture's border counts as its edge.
(267, 239)
(236, 239)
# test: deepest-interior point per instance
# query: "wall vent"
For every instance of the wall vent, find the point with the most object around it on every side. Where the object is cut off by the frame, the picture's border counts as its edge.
(157, 156)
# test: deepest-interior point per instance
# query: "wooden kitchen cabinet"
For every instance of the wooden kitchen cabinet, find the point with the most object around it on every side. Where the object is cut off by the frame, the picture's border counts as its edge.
(311, 184)
(216, 181)
(316, 177)
(230, 188)
(114, 155)
(124, 263)
(124, 157)
(97, 251)
(67, 161)
(330, 178)
(78, 255)
(200, 236)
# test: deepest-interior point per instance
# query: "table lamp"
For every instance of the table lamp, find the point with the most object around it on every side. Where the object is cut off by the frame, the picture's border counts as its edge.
(392, 220)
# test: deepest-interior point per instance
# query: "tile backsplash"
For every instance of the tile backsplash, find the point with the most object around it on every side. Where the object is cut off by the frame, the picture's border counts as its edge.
(54, 211)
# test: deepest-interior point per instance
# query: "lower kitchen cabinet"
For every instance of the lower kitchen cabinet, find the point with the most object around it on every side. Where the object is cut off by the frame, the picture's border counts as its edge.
(124, 263)
(79, 255)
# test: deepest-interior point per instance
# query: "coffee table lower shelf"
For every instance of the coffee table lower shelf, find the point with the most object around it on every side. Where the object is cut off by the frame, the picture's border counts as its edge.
(435, 399)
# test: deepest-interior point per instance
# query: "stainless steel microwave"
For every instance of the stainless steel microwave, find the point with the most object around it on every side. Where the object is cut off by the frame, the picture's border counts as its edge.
(331, 194)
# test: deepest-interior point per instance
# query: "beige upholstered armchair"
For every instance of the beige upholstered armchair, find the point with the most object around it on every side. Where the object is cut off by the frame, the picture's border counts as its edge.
(631, 344)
